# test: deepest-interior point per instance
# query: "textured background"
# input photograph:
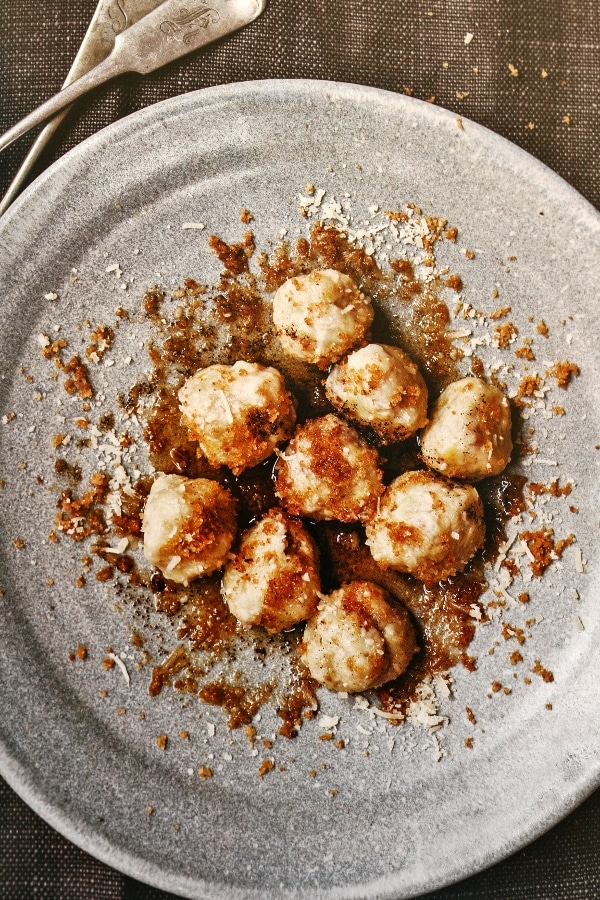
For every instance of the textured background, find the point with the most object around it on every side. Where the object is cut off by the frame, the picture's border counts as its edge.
(531, 72)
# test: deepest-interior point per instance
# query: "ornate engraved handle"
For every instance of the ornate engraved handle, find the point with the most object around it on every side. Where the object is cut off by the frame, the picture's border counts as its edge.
(188, 22)
(180, 26)
(172, 30)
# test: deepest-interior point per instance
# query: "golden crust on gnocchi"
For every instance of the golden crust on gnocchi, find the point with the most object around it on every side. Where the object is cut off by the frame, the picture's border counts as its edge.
(273, 578)
(328, 472)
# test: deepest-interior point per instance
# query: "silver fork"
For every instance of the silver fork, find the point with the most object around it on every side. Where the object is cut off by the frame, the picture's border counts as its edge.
(172, 30)
(110, 18)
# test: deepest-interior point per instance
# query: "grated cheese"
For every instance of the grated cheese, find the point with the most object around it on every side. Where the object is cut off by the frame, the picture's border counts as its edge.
(329, 721)
(119, 662)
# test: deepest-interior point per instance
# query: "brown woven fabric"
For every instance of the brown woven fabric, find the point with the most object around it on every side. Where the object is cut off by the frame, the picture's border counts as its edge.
(530, 72)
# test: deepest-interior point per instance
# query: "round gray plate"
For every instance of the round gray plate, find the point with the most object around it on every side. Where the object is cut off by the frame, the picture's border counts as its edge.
(402, 821)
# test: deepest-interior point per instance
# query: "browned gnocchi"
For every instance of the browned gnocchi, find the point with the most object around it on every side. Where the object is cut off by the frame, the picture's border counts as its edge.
(189, 525)
(469, 435)
(238, 414)
(273, 578)
(358, 639)
(320, 316)
(381, 387)
(426, 527)
(328, 471)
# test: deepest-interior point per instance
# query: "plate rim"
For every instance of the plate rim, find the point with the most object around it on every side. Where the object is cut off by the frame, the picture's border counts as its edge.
(258, 86)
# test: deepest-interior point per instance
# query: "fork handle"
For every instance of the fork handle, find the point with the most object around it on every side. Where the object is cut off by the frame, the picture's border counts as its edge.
(104, 71)
(36, 150)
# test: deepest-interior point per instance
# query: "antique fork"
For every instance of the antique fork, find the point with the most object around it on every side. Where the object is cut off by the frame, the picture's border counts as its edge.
(110, 18)
(173, 29)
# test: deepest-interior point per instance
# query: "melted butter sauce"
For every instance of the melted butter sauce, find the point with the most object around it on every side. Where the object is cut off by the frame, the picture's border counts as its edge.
(233, 323)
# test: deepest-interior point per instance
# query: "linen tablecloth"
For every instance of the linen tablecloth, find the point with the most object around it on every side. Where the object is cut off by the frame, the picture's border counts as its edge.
(528, 70)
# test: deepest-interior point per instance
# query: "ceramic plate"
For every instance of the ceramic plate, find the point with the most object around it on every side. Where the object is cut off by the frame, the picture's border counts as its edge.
(400, 810)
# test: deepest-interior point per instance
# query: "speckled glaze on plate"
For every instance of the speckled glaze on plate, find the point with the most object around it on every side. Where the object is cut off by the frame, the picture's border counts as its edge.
(401, 823)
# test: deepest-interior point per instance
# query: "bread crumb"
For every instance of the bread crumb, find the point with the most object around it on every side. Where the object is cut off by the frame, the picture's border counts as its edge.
(563, 372)
(265, 766)
(545, 674)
